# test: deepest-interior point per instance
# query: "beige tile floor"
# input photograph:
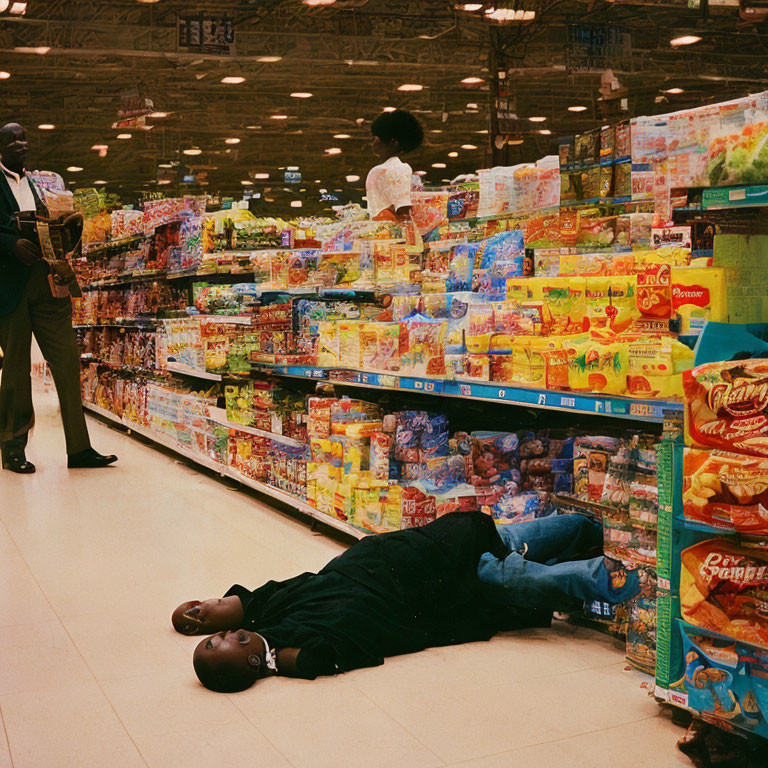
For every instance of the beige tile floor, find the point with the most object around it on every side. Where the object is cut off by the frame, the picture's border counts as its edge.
(91, 673)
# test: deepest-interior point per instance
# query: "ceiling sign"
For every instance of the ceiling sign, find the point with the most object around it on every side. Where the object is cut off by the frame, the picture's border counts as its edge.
(592, 47)
(292, 177)
(206, 32)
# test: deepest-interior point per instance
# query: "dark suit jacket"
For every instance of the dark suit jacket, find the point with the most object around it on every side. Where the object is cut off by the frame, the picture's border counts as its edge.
(13, 274)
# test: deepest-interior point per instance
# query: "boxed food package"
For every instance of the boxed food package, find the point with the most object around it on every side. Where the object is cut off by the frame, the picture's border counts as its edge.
(727, 406)
(698, 296)
(726, 490)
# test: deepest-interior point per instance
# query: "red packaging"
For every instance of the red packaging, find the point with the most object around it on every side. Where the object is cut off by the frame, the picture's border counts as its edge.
(726, 406)
(418, 509)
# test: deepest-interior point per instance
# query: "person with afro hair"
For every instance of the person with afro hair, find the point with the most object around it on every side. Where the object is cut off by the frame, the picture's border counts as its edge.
(389, 184)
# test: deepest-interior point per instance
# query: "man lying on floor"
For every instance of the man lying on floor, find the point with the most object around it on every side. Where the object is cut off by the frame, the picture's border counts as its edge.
(457, 580)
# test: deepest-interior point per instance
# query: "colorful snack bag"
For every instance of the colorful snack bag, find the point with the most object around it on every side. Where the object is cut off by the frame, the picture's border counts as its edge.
(598, 366)
(727, 406)
(723, 588)
(494, 458)
(726, 490)
(565, 299)
(611, 303)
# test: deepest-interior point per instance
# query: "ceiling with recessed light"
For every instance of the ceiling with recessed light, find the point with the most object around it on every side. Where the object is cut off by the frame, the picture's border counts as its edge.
(303, 80)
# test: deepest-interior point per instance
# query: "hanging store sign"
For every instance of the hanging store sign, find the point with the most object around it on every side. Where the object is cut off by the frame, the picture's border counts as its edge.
(592, 47)
(292, 177)
(206, 32)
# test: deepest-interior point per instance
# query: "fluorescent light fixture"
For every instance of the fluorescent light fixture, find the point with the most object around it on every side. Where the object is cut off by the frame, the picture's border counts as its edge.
(232, 140)
(159, 115)
(438, 165)
(453, 154)
(684, 40)
(509, 14)
(100, 147)
(468, 146)
(193, 151)
(471, 7)
(4, 75)
(278, 117)
(545, 132)
(74, 168)
(436, 130)
(40, 50)
(296, 204)
(472, 105)
(260, 175)
(333, 151)
(341, 136)
(233, 80)
(323, 191)
(410, 87)
(269, 59)
(577, 108)
(302, 95)
(389, 109)
(472, 80)
(165, 165)
(421, 173)
(46, 126)
(17, 9)
(291, 167)
(163, 181)
(352, 178)
(317, 3)
(253, 127)
(674, 91)
(247, 183)
(100, 182)
(124, 136)
(538, 119)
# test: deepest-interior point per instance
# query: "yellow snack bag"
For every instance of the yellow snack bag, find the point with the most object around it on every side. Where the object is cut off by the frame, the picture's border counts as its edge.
(349, 343)
(598, 365)
(656, 364)
(328, 344)
(565, 299)
(698, 295)
(522, 289)
(611, 302)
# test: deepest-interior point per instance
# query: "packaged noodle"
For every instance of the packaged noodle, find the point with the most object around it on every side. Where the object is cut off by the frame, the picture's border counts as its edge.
(698, 296)
(654, 291)
(656, 364)
(727, 406)
(328, 345)
(723, 588)
(726, 490)
(522, 289)
(565, 300)
(594, 264)
(597, 365)
(611, 303)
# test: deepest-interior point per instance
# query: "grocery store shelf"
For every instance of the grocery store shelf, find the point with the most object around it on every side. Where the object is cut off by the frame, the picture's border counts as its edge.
(286, 498)
(134, 323)
(187, 370)
(574, 402)
(219, 415)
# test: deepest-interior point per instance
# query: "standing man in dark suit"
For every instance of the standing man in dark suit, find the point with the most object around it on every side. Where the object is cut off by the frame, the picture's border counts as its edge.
(27, 307)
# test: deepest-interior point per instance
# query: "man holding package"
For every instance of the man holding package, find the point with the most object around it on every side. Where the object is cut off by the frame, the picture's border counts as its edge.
(36, 285)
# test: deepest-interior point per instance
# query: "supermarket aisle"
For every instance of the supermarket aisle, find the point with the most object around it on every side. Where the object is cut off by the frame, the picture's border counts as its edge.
(91, 564)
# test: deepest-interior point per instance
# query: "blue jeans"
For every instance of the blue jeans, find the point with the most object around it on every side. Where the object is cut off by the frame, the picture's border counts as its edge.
(545, 576)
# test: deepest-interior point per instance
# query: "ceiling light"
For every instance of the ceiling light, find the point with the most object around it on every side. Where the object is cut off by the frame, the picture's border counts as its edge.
(513, 142)
(253, 127)
(545, 132)
(333, 151)
(124, 136)
(341, 136)
(301, 95)
(292, 168)
(470, 7)
(260, 175)
(74, 168)
(509, 14)
(318, 181)
(472, 80)
(410, 87)
(684, 40)
(17, 8)
(233, 80)
(46, 126)
(247, 183)
(421, 173)
(484, 131)
(100, 182)
(232, 140)
(453, 154)
(269, 59)
(40, 50)
(100, 147)
(163, 181)
(352, 178)
(323, 191)
(436, 130)
(537, 119)
(468, 146)
(577, 108)
(315, 3)
(4, 75)
(389, 109)
(148, 2)
(278, 117)
(193, 151)
(159, 115)
(438, 165)
(472, 105)
(296, 203)
(674, 91)
(165, 165)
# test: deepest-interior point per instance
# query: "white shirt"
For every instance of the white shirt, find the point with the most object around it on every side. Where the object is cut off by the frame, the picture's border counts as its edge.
(388, 184)
(22, 191)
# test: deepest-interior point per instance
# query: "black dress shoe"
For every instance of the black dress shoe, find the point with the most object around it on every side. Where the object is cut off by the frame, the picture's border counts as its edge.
(89, 459)
(18, 463)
